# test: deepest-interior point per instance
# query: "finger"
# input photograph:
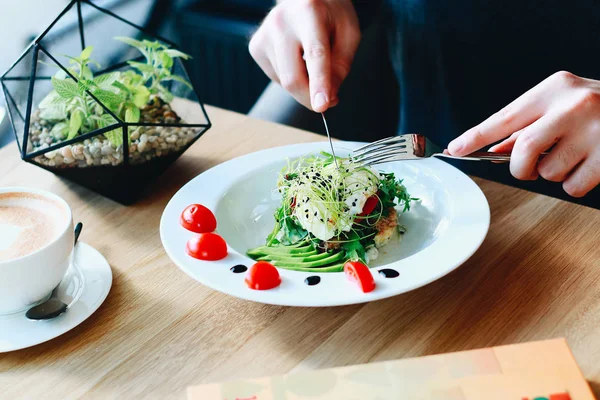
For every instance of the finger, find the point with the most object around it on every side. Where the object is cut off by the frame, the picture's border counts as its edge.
(345, 43)
(584, 178)
(292, 70)
(312, 31)
(520, 113)
(533, 140)
(260, 55)
(565, 156)
(507, 145)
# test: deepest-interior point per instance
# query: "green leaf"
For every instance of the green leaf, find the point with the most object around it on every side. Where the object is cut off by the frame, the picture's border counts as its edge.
(132, 114)
(60, 130)
(52, 99)
(66, 88)
(142, 67)
(105, 81)
(56, 112)
(176, 53)
(141, 96)
(75, 124)
(132, 42)
(115, 136)
(107, 97)
(120, 86)
(165, 94)
(86, 53)
(178, 79)
(166, 60)
(354, 249)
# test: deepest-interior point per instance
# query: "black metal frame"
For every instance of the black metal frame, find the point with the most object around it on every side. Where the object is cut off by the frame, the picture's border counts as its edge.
(37, 46)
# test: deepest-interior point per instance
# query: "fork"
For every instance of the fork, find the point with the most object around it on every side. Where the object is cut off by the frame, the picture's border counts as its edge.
(414, 146)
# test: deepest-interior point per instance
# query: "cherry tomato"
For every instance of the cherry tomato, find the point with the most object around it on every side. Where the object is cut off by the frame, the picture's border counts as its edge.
(369, 206)
(199, 219)
(208, 246)
(361, 274)
(263, 276)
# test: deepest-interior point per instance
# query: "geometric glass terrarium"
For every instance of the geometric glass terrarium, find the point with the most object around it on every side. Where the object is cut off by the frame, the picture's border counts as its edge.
(104, 105)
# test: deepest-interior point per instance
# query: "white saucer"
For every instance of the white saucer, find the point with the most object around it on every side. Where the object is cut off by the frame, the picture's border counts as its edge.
(88, 281)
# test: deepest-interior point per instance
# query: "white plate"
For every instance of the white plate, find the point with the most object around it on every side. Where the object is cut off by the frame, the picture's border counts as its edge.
(443, 230)
(88, 281)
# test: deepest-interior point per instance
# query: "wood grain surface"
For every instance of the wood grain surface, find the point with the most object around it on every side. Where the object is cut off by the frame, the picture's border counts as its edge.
(536, 276)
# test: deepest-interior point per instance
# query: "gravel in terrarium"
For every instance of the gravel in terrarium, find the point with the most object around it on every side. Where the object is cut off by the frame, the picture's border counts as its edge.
(146, 142)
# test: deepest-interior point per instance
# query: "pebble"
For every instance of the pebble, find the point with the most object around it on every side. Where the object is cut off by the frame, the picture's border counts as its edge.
(146, 144)
(66, 153)
(51, 154)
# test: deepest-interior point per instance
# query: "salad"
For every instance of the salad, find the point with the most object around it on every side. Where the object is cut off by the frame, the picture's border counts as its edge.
(331, 214)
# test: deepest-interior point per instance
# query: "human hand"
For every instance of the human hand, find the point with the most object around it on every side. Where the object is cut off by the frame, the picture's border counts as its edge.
(326, 32)
(561, 114)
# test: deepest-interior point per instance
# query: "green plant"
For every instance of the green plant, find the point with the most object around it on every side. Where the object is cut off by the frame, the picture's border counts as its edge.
(69, 103)
(158, 65)
(72, 109)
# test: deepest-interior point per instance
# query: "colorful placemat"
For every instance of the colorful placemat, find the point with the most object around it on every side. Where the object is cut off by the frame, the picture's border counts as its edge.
(543, 370)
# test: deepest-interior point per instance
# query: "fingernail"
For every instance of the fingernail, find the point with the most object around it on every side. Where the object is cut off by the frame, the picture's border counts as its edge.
(319, 101)
(455, 146)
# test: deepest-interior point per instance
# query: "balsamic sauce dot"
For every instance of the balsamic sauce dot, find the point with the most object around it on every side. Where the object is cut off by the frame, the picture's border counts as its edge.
(389, 273)
(312, 280)
(238, 269)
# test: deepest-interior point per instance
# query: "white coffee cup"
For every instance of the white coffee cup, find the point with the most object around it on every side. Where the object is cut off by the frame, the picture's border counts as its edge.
(29, 278)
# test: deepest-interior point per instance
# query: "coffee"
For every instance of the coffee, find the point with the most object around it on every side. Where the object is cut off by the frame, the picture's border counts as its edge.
(28, 222)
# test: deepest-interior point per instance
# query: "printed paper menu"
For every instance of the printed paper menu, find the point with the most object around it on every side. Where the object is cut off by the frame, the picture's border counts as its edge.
(543, 370)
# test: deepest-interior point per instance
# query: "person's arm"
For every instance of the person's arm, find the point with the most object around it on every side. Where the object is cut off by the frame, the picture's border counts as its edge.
(325, 32)
(561, 114)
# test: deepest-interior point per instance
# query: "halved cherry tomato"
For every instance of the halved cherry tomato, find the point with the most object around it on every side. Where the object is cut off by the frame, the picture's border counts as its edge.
(369, 206)
(199, 219)
(208, 246)
(361, 274)
(263, 276)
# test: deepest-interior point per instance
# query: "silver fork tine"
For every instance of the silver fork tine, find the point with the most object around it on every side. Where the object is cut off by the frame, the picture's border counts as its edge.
(383, 158)
(380, 151)
(379, 143)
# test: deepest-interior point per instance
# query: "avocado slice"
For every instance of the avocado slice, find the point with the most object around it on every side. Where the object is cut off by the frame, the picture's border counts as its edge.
(299, 262)
(332, 268)
(284, 250)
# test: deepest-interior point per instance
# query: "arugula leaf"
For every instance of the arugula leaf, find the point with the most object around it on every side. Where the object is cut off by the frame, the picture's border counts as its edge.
(355, 251)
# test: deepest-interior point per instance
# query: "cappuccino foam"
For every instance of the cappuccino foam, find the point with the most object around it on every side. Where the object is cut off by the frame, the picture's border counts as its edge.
(28, 222)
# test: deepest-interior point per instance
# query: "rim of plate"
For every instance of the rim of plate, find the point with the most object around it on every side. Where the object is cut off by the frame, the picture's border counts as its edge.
(465, 233)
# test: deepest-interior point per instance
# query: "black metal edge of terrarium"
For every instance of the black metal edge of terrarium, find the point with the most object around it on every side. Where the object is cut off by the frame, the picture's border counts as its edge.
(208, 125)
(34, 61)
(8, 98)
(139, 28)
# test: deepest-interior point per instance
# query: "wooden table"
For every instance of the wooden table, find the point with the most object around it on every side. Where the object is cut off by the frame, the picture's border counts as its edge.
(536, 276)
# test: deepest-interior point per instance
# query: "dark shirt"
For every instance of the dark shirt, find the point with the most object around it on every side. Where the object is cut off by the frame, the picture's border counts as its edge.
(458, 62)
